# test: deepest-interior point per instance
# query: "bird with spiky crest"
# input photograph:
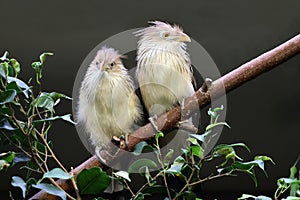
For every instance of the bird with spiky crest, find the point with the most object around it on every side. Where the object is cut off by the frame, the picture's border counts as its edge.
(164, 70)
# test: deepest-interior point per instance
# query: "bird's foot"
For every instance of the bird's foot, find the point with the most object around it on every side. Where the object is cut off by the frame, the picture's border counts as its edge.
(206, 85)
(152, 122)
(121, 141)
(105, 153)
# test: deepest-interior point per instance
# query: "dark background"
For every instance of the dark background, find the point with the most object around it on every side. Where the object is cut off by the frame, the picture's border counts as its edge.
(263, 113)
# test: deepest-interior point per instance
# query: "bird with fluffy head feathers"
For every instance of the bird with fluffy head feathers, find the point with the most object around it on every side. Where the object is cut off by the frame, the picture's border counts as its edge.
(164, 69)
(108, 105)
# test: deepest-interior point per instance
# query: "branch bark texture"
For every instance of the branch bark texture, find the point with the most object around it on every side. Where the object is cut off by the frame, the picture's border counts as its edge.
(201, 98)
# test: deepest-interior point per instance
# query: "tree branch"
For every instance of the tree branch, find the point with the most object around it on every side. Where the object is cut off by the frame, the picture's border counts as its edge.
(201, 98)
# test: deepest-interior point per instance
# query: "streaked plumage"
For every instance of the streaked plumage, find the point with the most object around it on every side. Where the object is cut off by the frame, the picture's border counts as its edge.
(164, 69)
(107, 105)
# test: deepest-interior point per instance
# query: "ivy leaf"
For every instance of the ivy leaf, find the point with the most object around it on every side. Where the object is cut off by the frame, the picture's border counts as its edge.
(51, 189)
(66, 117)
(21, 158)
(122, 174)
(44, 101)
(21, 84)
(5, 124)
(57, 173)
(92, 181)
(142, 147)
(55, 96)
(4, 57)
(247, 196)
(177, 165)
(38, 66)
(16, 66)
(19, 182)
(168, 157)
(216, 124)
(8, 156)
(7, 96)
(196, 151)
(139, 165)
(138, 196)
(159, 135)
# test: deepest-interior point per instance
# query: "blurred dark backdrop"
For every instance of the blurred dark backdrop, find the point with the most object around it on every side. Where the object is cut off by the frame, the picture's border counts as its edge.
(263, 113)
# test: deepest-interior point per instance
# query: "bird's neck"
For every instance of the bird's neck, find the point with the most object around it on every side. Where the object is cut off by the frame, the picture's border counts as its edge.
(152, 52)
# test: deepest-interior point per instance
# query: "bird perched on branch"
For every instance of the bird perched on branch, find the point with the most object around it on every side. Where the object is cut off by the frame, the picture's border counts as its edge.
(108, 105)
(164, 68)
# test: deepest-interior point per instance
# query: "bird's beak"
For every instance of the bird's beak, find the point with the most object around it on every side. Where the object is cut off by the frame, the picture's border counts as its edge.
(182, 37)
(103, 67)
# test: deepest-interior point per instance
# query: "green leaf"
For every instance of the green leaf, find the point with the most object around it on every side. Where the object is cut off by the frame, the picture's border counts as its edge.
(159, 135)
(196, 151)
(51, 189)
(66, 117)
(16, 66)
(294, 186)
(264, 158)
(5, 124)
(4, 69)
(19, 82)
(247, 167)
(247, 196)
(21, 158)
(57, 173)
(168, 157)
(201, 137)
(122, 174)
(216, 124)
(8, 156)
(38, 66)
(44, 101)
(4, 57)
(13, 85)
(242, 145)
(140, 164)
(6, 111)
(55, 96)
(92, 181)
(286, 181)
(142, 147)
(139, 196)
(177, 165)
(19, 182)
(7, 96)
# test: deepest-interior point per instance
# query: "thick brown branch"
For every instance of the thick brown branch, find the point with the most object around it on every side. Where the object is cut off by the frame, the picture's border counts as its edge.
(201, 98)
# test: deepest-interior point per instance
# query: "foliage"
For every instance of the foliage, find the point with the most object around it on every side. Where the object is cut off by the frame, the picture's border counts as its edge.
(187, 167)
(26, 117)
(289, 185)
(27, 114)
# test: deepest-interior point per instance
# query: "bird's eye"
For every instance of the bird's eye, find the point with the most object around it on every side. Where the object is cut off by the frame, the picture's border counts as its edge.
(164, 34)
(97, 63)
(112, 64)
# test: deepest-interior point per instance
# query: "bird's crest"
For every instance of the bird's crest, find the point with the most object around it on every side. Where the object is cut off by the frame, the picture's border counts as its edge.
(155, 27)
(109, 54)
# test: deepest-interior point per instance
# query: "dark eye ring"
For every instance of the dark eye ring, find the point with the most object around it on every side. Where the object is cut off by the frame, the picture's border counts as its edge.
(112, 64)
